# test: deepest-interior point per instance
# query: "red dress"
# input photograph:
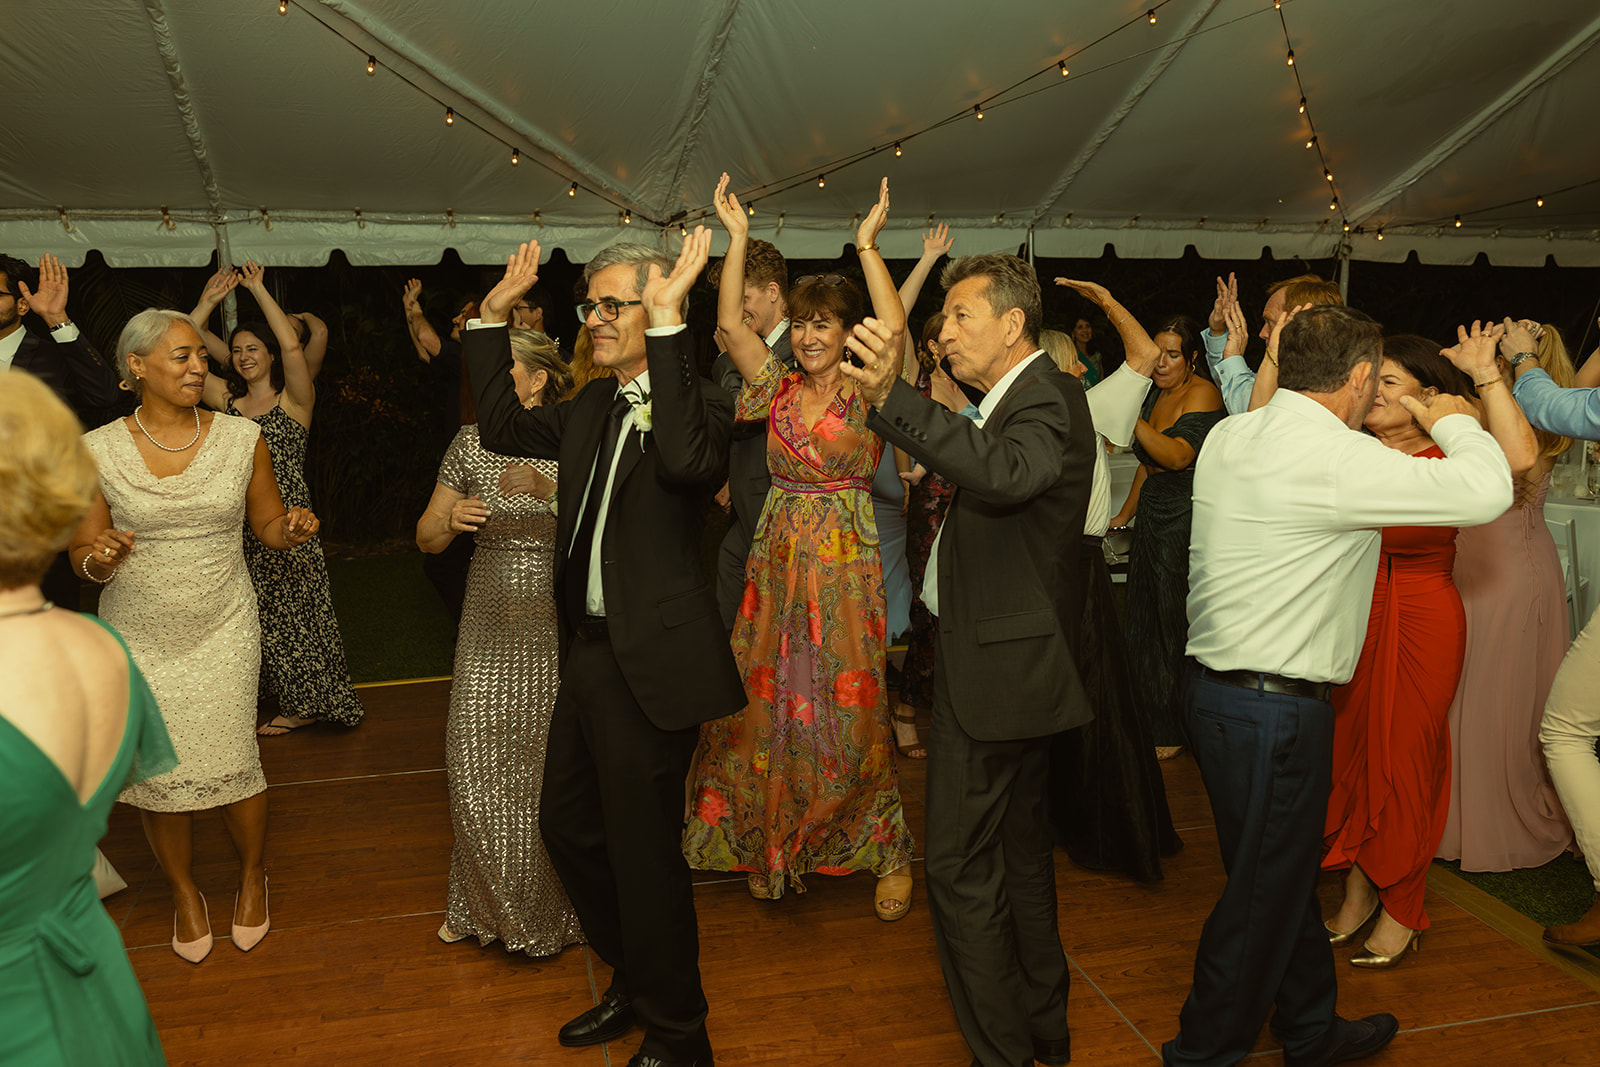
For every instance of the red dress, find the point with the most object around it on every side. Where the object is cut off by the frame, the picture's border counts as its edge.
(1391, 736)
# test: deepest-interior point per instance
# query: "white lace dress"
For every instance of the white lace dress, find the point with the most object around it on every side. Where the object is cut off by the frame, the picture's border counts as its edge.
(184, 603)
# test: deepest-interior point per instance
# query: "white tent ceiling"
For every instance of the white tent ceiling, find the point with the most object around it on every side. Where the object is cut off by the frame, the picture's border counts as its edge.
(157, 130)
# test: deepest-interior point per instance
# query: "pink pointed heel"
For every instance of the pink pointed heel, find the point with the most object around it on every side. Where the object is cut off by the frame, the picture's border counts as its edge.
(246, 938)
(198, 949)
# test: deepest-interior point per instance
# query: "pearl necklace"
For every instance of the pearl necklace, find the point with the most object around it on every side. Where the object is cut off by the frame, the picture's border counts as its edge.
(140, 423)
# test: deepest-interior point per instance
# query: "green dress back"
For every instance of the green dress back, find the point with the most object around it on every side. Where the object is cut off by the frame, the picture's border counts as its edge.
(68, 995)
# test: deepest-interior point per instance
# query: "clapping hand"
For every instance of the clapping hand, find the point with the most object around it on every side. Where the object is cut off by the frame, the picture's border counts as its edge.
(1227, 296)
(729, 213)
(870, 341)
(1473, 351)
(1239, 331)
(50, 299)
(936, 241)
(522, 270)
(299, 525)
(872, 225)
(663, 296)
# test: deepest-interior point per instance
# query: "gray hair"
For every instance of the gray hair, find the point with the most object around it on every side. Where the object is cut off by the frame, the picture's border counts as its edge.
(632, 252)
(1321, 346)
(143, 332)
(1012, 284)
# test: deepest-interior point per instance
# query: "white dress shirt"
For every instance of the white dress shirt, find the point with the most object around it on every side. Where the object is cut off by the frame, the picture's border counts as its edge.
(637, 389)
(11, 343)
(930, 577)
(1288, 507)
(1114, 405)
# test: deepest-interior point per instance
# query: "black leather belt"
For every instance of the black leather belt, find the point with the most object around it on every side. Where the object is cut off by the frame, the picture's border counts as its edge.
(591, 628)
(1270, 683)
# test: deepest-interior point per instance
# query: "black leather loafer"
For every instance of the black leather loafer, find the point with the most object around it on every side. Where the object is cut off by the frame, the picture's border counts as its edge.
(643, 1060)
(1053, 1052)
(606, 1021)
(1357, 1038)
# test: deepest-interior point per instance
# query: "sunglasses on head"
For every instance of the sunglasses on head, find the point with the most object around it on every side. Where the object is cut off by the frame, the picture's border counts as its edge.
(820, 279)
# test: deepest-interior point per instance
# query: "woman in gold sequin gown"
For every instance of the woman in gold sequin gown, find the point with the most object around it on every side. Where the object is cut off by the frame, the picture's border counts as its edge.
(176, 486)
(502, 885)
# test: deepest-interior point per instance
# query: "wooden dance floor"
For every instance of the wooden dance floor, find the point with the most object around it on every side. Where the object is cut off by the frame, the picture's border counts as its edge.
(352, 973)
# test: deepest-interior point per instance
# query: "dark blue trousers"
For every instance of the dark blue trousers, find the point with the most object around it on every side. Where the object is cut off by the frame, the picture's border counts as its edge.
(1266, 761)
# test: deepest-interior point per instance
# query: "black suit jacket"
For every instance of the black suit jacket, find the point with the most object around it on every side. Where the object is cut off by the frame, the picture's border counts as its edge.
(748, 476)
(72, 369)
(660, 609)
(1010, 587)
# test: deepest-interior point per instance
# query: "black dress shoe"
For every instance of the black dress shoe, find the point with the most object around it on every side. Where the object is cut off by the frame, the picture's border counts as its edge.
(1357, 1038)
(606, 1021)
(1053, 1052)
(643, 1060)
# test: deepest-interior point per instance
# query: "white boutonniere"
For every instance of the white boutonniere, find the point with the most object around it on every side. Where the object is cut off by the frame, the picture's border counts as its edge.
(643, 413)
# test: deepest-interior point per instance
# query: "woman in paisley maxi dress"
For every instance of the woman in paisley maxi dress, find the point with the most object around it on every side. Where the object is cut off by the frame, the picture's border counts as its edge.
(163, 537)
(803, 779)
(502, 884)
(302, 655)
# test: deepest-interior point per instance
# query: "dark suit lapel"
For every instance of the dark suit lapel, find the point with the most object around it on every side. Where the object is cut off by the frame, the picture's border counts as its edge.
(588, 423)
(1039, 364)
(630, 451)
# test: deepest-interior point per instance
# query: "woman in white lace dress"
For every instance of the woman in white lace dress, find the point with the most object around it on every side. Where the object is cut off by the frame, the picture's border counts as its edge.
(176, 484)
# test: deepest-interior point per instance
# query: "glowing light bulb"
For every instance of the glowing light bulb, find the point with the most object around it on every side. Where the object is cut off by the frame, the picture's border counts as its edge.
(627, 218)
(449, 116)
(283, 7)
(1380, 233)
(1290, 60)
(897, 152)
(516, 157)
(1539, 202)
(977, 109)
(372, 64)
(1063, 66)
(1328, 174)
(1151, 15)
(750, 208)
(1302, 105)
(1311, 141)
(1458, 222)
(822, 182)
(573, 191)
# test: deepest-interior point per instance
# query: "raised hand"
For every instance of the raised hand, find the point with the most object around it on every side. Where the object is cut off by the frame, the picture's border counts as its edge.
(522, 271)
(880, 363)
(1227, 295)
(873, 224)
(1277, 330)
(1238, 330)
(1432, 410)
(218, 286)
(253, 276)
(936, 241)
(50, 299)
(1473, 351)
(729, 213)
(1095, 293)
(1519, 337)
(664, 294)
(299, 525)
(410, 294)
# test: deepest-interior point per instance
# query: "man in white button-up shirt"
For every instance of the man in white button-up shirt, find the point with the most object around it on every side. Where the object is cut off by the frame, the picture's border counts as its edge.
(1288, 507)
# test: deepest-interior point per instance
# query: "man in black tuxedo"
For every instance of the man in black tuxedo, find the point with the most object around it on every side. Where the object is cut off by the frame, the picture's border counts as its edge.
(644, 657)
(61, 358)
(766, 281)
(1005, 586)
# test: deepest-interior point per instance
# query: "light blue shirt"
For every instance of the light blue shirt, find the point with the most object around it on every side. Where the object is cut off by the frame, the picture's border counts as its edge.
(1568, 412)
(1232, 375)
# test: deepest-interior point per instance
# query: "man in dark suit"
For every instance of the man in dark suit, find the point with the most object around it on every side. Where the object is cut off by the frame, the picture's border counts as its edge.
(61, 359)
(1005, 586)
(644, 658)
(766, 281)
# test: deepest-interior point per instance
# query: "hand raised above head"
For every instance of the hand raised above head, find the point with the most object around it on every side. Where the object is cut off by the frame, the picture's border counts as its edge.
(872, 225)
(253, 276)
(1428, 412)
(729, 213)
(1518, 338)
(522, 270)
(1094, 292)
(219, 285)
(663, 295)
(872, 342)
(1473, 351)
(1227, 295)
(936, 242)
(1238, 330)
(1277, 328)
(410, 294)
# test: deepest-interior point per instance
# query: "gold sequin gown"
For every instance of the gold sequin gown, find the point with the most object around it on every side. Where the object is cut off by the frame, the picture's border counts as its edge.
(502, 885)
(183, 602)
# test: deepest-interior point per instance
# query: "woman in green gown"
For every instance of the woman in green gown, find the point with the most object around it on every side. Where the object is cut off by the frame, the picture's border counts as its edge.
(77, 723)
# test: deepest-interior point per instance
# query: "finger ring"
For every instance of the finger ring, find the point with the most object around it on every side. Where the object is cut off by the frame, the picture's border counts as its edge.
(108, 553)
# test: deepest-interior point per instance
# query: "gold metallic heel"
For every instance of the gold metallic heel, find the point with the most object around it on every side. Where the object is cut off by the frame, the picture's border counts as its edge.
(1377, 961)
(1335, 938)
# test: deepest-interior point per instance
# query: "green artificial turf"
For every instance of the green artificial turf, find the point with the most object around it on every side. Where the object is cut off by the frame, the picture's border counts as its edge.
(393, 623)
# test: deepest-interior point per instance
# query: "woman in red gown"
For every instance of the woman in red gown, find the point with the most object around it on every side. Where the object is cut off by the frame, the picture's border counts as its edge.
(1391, 737)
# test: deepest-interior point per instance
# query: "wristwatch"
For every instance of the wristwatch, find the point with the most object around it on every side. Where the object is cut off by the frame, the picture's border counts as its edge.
(1522, 357)
(62, 325)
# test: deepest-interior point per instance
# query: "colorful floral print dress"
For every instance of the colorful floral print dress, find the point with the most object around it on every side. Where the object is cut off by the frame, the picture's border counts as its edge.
(803, 779)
